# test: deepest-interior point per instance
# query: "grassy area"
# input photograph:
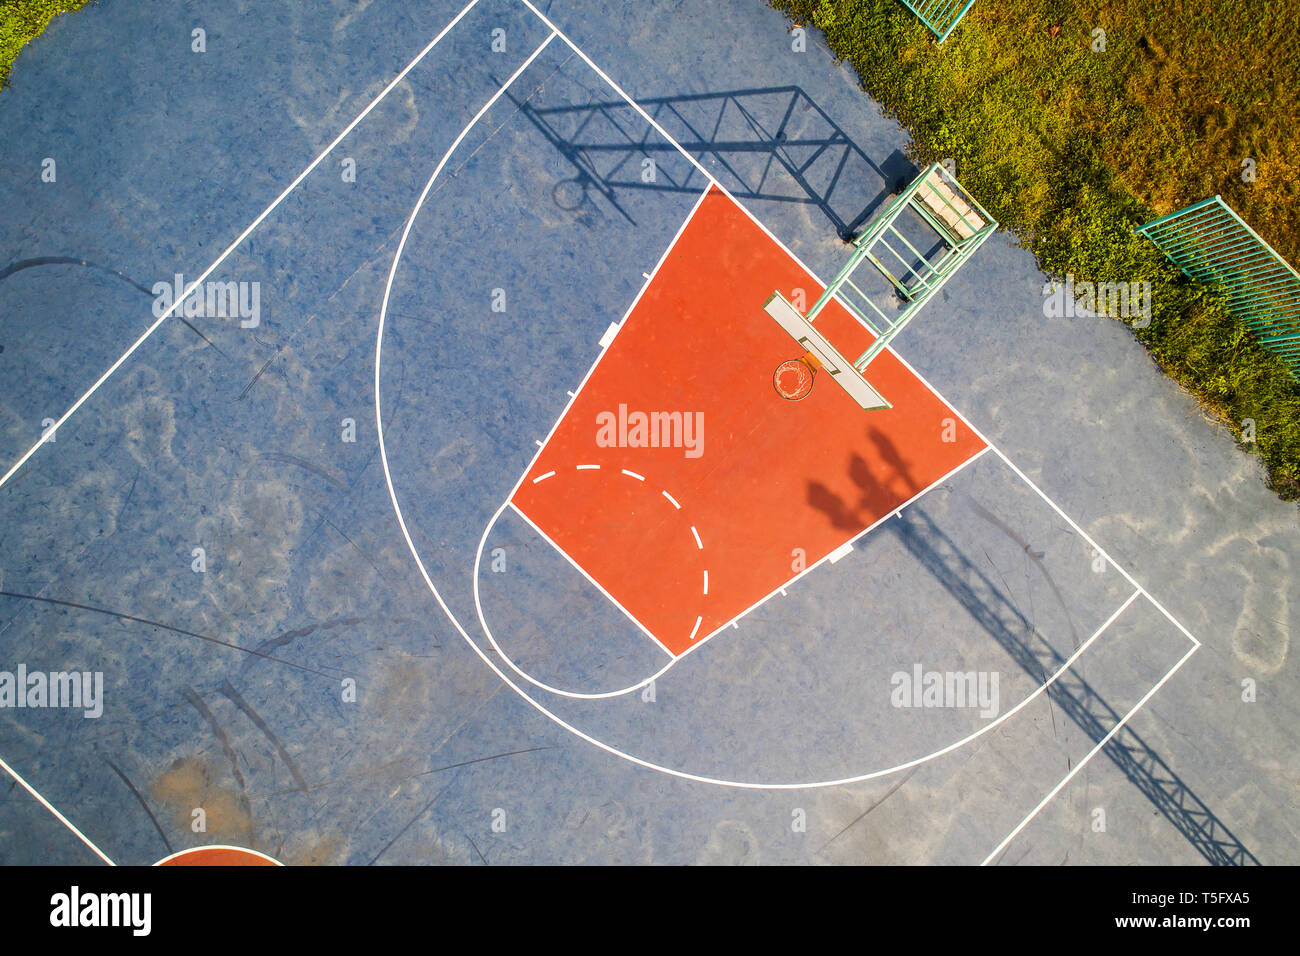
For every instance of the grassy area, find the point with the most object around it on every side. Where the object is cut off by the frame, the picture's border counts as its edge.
(1071, 146)
(23, 20)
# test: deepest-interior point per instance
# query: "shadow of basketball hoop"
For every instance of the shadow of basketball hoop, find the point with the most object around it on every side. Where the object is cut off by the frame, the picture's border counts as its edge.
(1002, 620)
(773, 144)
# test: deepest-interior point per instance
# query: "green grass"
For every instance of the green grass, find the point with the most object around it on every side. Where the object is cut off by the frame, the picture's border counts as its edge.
(1071, 147)
(23, 20)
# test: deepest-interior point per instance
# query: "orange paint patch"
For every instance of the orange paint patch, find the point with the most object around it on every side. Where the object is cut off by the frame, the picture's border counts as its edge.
(218, 856)
(769, 484)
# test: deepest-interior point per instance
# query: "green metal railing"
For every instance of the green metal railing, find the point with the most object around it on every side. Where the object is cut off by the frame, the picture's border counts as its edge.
(941, 16)
(921, 277)
(1212, 244)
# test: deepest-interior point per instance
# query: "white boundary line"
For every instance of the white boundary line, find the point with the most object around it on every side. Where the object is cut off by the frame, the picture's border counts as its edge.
(57, 815)
(53, 429)
(1100, 550)
(1092, 753)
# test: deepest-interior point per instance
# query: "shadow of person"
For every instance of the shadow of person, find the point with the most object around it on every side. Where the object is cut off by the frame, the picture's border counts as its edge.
(877, 482)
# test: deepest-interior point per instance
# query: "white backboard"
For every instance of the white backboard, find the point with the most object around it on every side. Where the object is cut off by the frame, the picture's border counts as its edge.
(834, 364)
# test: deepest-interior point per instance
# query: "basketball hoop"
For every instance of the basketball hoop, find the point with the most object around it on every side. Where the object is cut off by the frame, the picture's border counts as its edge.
(793, 379)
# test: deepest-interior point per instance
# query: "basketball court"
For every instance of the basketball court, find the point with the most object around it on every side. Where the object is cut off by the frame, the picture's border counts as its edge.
(633, 511)
(580, 525)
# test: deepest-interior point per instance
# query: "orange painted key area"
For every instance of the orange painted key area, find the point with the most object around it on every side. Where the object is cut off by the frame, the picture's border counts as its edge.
(705, 528)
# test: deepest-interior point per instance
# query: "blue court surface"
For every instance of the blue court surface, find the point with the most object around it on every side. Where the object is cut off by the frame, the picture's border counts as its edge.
(264, 528)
